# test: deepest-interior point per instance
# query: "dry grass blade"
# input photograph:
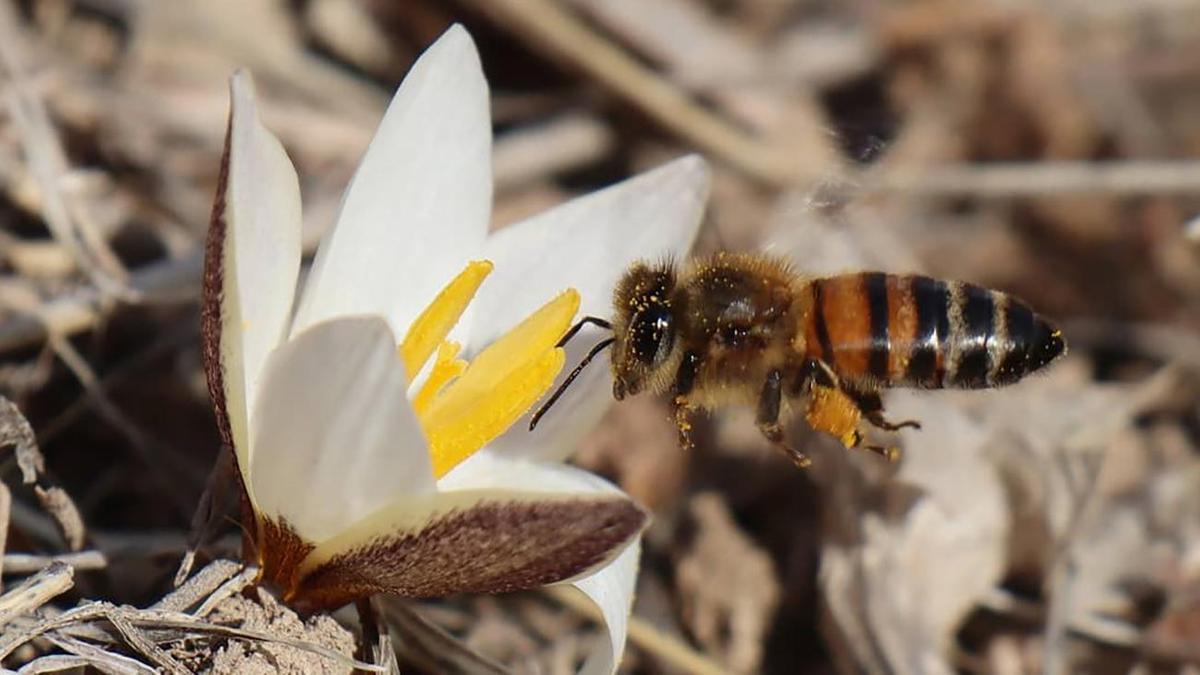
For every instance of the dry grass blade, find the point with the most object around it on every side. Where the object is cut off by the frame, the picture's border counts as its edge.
(57, 663)
(16, 432)
(236, 584)
(376, 636)
(48, 164)
(105, 660)
(60, 505)
(33, 593)
(91, 655)
(1007, 181)
(527, 155)
(551, 26)
(176, 281)
(54, 664)
(200, 586)
(423, 642)
(182, 625)
(645, 635)
(141, 644)
(24, 563)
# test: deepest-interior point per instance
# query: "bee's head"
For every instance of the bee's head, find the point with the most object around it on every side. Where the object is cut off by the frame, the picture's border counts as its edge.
(644, 328)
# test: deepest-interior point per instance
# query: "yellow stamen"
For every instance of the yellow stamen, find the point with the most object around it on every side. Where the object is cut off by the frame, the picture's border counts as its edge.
(499, 385)
(435, 322)
(445, 368)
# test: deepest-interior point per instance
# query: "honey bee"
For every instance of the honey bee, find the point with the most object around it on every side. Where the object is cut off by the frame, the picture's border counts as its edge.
(745, 329)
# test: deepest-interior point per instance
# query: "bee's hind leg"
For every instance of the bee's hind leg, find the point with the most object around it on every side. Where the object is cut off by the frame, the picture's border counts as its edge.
(871, 406)
(833, 410)
(767, 418)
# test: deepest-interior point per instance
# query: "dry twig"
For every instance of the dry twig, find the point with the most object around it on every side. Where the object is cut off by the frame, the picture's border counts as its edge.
(25, 563)
(1006, 181)
(89, 654)
(16, 432)
(552, 27)
(62, 508)
(35, 592)
(48, 164)
(422, 641)
(180, 626)
(645, 635)
(203, 585)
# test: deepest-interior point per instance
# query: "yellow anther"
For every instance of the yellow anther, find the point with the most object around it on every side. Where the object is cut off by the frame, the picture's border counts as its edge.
(434, 324)
(498, 386)
(445, 368)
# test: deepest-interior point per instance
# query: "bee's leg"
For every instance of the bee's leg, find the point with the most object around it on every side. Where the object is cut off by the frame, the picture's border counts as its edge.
(834, 411)
(768, 417)
(890, 453)
(822, 375)
(681, 413)
(685, 380)
(810, 376)
(801, 377)
(872, 409)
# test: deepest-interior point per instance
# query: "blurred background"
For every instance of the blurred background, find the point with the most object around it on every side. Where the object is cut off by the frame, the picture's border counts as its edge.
(1047, 149)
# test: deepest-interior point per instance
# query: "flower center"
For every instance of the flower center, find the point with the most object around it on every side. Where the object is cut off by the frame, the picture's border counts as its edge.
(462, 406)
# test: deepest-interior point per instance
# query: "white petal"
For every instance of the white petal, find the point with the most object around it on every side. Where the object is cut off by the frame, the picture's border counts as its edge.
(418, 206)
(586, 244)
(334, 435)
(488, 469)
(260, 214)
(611, 588)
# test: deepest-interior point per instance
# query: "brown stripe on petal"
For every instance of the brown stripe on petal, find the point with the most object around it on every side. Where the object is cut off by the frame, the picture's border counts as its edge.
(212, 296)
(491, 547)
(211, 299)
(280, 552)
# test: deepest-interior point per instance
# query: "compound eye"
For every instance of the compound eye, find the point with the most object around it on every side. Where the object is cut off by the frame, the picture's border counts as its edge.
(651, 334)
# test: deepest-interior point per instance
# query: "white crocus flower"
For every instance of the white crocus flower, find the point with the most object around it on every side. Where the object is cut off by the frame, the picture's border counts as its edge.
(355, 480)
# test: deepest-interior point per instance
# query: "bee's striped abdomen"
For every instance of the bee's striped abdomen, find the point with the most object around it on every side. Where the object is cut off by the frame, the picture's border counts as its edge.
(909, 330)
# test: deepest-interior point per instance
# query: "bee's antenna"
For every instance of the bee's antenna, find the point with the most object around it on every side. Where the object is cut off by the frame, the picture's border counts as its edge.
(600, 346)
(583, 322)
